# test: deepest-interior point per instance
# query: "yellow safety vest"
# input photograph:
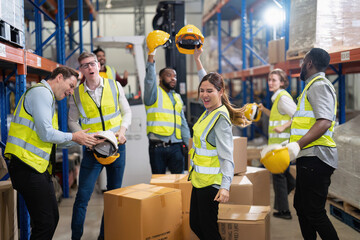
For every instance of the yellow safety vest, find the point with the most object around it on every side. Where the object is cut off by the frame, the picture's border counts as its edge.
(163, 118)
(105, 117)
(278, 119)
(23, 140)
(110, 73)
(205, 164)
(304, 119)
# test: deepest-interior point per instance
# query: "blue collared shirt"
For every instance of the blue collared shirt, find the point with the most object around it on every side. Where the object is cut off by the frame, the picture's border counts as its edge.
(38, 103)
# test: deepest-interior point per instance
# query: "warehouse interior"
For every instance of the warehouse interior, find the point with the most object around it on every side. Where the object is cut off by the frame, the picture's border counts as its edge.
(244, 40)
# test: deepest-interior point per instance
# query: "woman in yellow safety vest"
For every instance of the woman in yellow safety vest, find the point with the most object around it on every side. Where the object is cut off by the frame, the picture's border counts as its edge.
(281, 112)
(212, 166)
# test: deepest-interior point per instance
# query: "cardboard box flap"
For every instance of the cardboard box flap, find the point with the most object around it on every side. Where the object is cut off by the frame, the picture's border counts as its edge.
(241, 180)
(242, 212)
(141, 191)
(168, 178)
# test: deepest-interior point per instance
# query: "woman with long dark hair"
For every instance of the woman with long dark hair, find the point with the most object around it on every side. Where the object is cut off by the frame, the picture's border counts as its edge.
(212, 166)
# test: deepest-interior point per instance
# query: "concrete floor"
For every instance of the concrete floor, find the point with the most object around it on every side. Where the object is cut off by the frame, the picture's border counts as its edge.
(280, 229)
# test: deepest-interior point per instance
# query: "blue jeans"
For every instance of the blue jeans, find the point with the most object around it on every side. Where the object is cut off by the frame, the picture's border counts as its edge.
(168, 156)
(90, 170)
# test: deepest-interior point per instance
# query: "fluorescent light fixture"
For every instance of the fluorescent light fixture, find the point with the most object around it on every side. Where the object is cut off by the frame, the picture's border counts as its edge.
(108, 4)
(274, 16)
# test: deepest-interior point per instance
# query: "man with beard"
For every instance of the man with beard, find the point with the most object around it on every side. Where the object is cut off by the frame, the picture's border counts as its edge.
(313, 147)
(107, 71)
(166, 124)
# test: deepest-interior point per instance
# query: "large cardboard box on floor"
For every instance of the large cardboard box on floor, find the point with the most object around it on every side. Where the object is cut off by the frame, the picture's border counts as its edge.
(143, 211)
(178, 181)
(241, 191)
(239, 154)
(260, 178)
(244, 222)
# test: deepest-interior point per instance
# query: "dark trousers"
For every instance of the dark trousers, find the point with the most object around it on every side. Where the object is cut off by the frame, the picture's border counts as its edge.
(312, 184)
(37, 189)
(283, 184)
(162, 157)
(204, 213)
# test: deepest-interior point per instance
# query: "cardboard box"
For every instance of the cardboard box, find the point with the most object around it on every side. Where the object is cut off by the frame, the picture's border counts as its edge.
(178, 181)
(239, 154)
(8, 211)
(143, 211)
(241, 191)
(3, 166)
(260, 178)
(244, 222)
(276, 51)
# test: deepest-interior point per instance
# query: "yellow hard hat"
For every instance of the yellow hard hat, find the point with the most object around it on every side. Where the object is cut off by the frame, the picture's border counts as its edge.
(106, 152)
(157, 38)
(188, 38)
(276, 160)
(106, 160)
(252, 112)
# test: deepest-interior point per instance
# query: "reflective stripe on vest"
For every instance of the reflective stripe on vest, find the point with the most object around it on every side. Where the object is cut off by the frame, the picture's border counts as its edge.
(110, 72)
(105, 117)
(163, 118)
(205, 165)
(23, 140)
(277, 119)
(304, 119)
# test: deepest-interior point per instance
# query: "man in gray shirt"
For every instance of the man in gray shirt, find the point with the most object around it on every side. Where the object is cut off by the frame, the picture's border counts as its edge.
(166, 124)
(311, 131)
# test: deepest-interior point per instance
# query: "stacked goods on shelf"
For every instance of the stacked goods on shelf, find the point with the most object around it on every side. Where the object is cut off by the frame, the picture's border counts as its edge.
(346, 178)
(332, 25)
(209, 5)
(12, 26)
(276, 51)
(211, 54)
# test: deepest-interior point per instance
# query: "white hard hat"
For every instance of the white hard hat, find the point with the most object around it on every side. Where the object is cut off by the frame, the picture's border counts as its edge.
(106, 149)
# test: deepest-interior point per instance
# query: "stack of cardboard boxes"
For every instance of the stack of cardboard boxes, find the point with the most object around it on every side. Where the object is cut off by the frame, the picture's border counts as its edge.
(161, 210)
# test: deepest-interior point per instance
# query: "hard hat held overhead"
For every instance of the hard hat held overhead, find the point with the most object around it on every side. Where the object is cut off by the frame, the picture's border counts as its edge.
(188, 38)
(252, 112)
(275, 158)
(106, 152)
(157, 38)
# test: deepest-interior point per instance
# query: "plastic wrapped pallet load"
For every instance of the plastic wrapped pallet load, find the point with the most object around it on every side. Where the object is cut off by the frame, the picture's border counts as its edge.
(330, 24)
(346, 178)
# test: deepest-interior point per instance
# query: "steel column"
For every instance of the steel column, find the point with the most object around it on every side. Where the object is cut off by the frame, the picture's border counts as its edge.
(341, 96)
(219, 39)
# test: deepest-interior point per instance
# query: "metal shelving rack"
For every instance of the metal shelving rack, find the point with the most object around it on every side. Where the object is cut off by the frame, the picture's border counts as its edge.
(341, 63)
(25, 64)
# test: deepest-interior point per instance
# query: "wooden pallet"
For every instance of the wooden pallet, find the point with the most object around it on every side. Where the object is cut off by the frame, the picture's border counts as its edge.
(344, 206)
(296, 54)
(346, 218)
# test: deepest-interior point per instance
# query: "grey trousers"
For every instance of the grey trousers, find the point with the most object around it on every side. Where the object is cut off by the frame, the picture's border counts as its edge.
(283, 184)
